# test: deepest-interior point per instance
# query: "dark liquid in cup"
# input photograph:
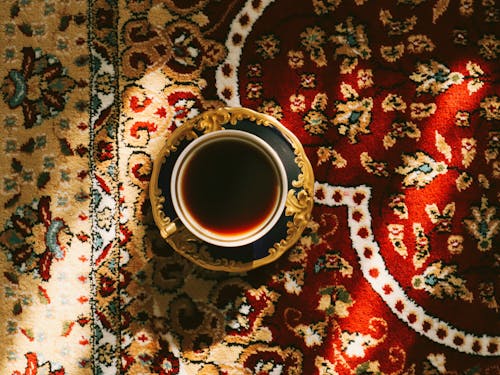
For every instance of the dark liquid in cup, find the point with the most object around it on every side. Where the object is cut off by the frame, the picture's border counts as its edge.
(230, 186)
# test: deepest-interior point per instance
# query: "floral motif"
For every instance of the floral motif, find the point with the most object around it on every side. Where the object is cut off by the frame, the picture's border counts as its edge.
(312, 39)
(271, 108)
(491, 12)
(466, 7)
(490, 108)
(351, 43)
(377, 168)
(185, 105)
(308, 81)
(400, 130)
(320, 101)
(483, 225)
(398, 205)
(365, 78)
(316, 122)
(441, 219)
(420, 44)
(441, 281)
(254, 90)
(462, 118)
(189, 50)
(297, 103)
(487, 295)
(420, 169)
(244, 310)
(293, 280)
(254, 70)
(455, 244)
(396, 237)
(420, 111)
(489, 47)
(434, 78)
(396, 27)
(178, 47)
(460, 37)
(268, 46)
(325, 6)
(463, 181)
(392, 53)
(295, 59)
(353, 116)
(335, 301)
(393, 102)
(476, 73)
(34, 239)
(312, 334)
(493, 149)
(421, 246)
(324, 366)
(468, 151)
(354, 344)
(164, 361)
(40, 87)
(442, 146)
(333, 261)
(326, 154)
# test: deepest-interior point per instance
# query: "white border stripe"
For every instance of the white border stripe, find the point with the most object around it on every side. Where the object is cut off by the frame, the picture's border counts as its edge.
(230, 81)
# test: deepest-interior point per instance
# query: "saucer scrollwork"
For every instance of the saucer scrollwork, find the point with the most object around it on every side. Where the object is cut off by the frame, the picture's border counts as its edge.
(299, 202)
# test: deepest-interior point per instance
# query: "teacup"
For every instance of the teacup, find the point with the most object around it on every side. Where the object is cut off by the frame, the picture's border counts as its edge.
(229, 187)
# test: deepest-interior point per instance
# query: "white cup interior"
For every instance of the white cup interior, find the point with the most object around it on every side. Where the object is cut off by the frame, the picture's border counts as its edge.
(189, 220)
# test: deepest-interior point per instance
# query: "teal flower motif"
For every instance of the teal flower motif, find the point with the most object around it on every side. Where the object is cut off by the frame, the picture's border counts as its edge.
(420, 169)
(350, 40)
(434, 78)
(33, 239)
(40, 87)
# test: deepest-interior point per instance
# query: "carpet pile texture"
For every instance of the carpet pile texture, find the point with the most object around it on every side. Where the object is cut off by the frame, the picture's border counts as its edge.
(397, 106)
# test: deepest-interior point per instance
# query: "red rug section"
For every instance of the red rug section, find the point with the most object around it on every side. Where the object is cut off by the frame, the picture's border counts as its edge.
(416, 63)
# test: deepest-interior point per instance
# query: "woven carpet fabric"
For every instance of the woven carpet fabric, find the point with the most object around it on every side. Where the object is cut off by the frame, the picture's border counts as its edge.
(397, 106)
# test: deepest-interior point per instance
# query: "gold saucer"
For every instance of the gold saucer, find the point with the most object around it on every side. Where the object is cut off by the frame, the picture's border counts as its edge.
(299, 202)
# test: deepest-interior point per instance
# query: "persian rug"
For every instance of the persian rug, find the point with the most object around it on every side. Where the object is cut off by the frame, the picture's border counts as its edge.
(397, 106)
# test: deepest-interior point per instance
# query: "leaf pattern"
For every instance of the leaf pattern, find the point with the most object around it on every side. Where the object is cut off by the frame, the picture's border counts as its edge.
(442, 146)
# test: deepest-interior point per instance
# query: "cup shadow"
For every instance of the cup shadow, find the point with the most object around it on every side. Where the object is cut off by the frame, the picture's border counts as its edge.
(185, 309)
